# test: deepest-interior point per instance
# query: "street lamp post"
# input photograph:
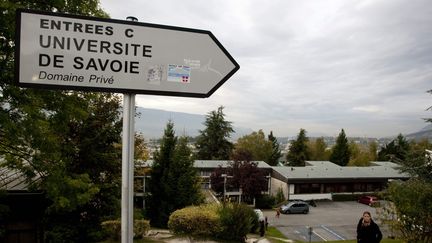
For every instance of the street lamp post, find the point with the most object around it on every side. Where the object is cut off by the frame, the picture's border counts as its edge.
(268, 184)
(224, 188)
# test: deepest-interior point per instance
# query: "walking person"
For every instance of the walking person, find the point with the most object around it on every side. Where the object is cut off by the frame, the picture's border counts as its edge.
(367, 230)
(277, 213)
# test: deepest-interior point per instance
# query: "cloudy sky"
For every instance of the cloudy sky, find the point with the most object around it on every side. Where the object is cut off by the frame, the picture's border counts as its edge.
(361, 65)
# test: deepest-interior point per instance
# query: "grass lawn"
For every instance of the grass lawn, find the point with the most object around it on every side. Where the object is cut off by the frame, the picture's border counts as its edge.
(273, 232)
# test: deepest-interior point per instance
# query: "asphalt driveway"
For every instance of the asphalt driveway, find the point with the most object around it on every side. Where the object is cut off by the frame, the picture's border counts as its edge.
(329, 221)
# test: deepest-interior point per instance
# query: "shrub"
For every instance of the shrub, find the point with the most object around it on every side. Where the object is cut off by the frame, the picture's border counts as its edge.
(141, 227)
(265, 201)
(198, 221)
(236, 221)
(351, 196)
(280, 197)
(112, 228)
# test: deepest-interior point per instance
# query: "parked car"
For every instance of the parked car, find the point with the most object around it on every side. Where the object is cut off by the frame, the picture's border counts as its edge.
(295, 207)
(368, 200)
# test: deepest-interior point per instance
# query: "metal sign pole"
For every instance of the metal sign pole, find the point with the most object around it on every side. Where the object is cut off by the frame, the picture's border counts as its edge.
(128, 146)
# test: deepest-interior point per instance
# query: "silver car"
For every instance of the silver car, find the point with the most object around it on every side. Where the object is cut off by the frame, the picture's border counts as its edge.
(295, 207)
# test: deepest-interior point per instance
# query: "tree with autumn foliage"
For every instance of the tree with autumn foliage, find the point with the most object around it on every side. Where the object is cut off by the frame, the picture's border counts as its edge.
(243, 173)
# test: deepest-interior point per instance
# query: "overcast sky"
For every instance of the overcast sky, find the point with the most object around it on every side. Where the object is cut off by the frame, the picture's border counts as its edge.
(364, 66)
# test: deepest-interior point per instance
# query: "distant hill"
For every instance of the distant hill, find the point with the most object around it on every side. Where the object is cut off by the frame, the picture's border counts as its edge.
(152, 122)
(424, 133)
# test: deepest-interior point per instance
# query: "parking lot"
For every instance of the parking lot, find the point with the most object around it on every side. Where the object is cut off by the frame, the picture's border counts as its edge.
(329, 221)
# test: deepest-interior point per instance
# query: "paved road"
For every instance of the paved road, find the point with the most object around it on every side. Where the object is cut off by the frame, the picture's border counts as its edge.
(329, 221)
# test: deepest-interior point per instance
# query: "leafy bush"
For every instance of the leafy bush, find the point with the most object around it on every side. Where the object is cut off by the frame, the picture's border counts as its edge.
(265, 201)
(141, 227)
(280, 197)
(112, 228)
(201, 221)
(236, 220)
(351, 196)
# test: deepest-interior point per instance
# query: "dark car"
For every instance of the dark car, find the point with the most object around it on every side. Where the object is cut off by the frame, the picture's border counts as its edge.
(295, 207)
(368, 200)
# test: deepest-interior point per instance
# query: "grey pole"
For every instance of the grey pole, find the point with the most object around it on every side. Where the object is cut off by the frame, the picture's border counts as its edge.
(128, 145)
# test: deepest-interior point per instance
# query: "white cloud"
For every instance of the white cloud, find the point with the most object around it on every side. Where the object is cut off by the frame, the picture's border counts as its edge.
(368, 108)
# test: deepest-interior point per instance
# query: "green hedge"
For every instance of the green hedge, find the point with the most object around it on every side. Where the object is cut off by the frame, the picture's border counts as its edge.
(112, 228)
(141, 227)
(265, 201)
(229, 221)
(237, 221)
(199, 221)
(351, 197)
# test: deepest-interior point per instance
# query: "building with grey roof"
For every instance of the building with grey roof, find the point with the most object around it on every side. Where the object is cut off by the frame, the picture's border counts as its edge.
(25, 207)
(321, 179)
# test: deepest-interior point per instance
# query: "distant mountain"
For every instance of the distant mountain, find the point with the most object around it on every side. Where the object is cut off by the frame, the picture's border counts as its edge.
(152, 122)
(427, 128)
(424, 133)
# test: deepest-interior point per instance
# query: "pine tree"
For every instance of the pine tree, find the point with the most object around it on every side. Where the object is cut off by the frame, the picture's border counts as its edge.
(184, 177)
(395, 151)
(212, 143)
(341, 153)
(276, 151)
(158, 205)
(173, 182)
(298, 152)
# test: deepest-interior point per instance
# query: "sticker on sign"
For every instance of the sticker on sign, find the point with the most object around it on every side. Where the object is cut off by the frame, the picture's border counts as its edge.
(61, 51)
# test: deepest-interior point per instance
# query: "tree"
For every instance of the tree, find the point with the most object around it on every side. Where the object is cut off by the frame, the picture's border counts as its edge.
(184, 177)
(411, 199)
(373, 148)
(159, 206)
(257, 145)
(141, 151)
(298, 152)
(216, 180)
(413, 209)
(276, 151)
(318, 150)
(395, 151)
(213, 141)
(242, 173)
(341, 153)
(173, 182)
(65, 138)
(359, 155)
(247, 175)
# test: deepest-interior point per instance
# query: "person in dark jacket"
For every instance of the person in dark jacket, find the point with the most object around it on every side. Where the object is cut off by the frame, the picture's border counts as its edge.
(367, 230)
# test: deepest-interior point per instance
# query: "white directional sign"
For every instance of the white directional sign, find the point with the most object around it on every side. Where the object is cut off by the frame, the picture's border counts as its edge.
(59, 51)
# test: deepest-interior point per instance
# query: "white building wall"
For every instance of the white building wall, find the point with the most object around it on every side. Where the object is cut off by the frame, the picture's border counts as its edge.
(276, 184)
(307, 197)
